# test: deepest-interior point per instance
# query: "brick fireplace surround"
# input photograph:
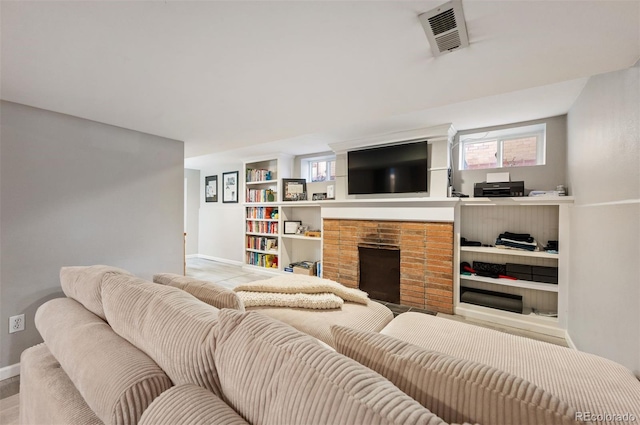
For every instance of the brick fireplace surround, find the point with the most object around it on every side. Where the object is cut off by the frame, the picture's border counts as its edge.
(426, 257)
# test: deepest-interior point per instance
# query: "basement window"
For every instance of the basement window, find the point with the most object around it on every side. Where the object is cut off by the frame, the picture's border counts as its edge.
(321, 170)
(512, 147)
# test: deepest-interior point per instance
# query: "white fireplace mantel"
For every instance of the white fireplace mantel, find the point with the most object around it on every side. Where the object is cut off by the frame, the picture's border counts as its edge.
(407, 209)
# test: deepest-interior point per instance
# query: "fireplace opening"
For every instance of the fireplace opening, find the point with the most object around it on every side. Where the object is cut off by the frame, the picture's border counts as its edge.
(380, 271)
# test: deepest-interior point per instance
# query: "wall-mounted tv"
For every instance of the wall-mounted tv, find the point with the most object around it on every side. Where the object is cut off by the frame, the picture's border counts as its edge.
(388, 169)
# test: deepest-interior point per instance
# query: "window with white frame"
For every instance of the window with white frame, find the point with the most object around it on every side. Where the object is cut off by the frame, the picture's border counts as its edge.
(322, 169)
(512, 147)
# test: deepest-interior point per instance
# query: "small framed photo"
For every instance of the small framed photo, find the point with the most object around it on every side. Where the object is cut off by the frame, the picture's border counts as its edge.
(301, 230)
(291, 227)
(230, 187)
(319, 196)
(211, 188)
(294, 189)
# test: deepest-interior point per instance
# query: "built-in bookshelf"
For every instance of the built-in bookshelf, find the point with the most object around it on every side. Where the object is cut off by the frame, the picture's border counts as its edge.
(483, 220)
(263, 177)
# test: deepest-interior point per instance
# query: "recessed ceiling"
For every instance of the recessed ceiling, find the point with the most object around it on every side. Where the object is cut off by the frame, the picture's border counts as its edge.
(228, 75)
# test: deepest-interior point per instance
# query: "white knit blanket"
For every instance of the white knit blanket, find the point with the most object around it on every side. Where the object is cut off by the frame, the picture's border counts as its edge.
(269, 299)
(302, 285)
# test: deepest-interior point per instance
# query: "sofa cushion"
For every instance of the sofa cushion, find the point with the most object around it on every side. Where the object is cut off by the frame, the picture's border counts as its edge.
(455, 389)
(586, 382)
(171, 326)
(47, 395)
(190, 404)
(117, 380)
(208, 292)
(372, 317)
(271, 373)
(297, 283)
(84, 284)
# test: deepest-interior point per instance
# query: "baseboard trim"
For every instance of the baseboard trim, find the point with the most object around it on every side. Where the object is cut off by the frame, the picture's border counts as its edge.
(570, 343)
(9, 371)
(220, 260)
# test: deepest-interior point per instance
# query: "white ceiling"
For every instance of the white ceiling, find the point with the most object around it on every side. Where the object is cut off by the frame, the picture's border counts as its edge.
(296, 75)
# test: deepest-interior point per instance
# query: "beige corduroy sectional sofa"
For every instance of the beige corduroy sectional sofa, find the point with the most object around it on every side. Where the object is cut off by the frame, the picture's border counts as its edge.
(123, 350)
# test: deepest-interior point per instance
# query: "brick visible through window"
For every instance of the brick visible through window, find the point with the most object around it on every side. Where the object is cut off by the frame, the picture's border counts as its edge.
(513, 147)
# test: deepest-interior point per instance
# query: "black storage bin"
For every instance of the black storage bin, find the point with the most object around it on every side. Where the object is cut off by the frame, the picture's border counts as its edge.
(545, 274)
(492, 299)
(520, 271)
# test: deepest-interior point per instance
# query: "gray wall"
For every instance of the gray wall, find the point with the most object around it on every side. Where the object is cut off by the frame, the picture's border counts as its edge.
(77, 192)
(604, 177)
(539, 177)
(192, 209)
(222, 225)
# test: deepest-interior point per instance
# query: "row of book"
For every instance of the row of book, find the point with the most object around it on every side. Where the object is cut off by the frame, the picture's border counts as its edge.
(262, 243)
(269, 261)
(258, 175)
(270, 227)
(261, 195)
(261, 212)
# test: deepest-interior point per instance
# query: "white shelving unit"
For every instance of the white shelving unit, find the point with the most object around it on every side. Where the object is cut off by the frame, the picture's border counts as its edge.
(260, 229)
(263, 177)
(483, 219)
(296, 248)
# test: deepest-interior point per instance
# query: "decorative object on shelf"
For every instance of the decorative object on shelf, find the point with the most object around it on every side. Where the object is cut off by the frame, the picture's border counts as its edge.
(330, 192)
(291, 226)
(294, 189)
(319, 196)
(302, 229)
(230, 187)
(211, 188)
(270, 196)
(313, 233)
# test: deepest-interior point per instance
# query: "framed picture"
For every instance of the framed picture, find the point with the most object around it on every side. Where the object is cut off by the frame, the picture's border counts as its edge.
(302, 229)
(230, 187)
(294, 189)
(319, 196)
(211, 188)
(291, 226)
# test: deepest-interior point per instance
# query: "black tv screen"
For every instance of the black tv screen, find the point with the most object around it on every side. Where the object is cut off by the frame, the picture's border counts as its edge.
(388, 169)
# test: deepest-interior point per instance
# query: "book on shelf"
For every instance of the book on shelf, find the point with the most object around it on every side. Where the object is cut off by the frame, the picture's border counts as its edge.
(270, 227)
(261, 212)
(261, 195)
(258, 175)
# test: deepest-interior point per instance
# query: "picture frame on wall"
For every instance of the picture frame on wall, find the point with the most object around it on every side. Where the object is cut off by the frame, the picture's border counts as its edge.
(230, 187)
(294, 190)
(211, 188)
(291, 226)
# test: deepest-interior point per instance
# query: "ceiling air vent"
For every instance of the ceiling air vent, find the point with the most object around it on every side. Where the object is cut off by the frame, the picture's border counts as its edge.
(445, 27)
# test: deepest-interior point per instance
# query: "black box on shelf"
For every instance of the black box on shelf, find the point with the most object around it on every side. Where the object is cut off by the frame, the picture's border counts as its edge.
(545, 274)
(492, 299)
(520, 271)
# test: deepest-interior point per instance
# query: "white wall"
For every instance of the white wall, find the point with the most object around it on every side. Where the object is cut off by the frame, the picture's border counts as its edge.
(193, 210)
(77, 192)
(539, 177)
(604, 177)
(221, 233)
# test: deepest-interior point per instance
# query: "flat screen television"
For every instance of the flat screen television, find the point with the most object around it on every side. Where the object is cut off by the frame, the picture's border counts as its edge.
(388, 169)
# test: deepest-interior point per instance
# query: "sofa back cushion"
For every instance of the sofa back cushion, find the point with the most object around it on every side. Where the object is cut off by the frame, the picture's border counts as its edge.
(271, 373)
(172, 327)
(191, 404)
(208, 292)
(455, 389)
(116, 380)
(586, 382)
(84, 284)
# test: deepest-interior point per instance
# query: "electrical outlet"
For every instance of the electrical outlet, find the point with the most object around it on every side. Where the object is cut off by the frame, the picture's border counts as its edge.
(16, 323)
